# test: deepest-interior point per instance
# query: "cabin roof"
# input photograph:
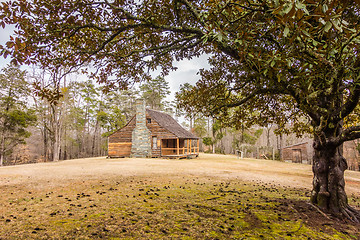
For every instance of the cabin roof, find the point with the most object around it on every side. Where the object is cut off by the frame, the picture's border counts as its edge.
(297, 144)
(170, 124)
(167, 122)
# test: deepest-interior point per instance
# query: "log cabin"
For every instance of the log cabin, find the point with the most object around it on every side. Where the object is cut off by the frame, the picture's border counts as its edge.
(152, 133)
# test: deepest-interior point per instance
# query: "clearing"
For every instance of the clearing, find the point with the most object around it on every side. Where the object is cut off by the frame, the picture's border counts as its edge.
(212, 197)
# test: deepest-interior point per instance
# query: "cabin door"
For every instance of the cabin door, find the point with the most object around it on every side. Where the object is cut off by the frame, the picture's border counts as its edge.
(297, 155)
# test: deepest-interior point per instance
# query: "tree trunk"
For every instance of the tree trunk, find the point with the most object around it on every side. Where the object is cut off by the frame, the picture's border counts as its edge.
(56, 146)
(2, 149)
(46, 151)
(65, 144)
(191, 124)
(56, 128)
(280, 146)
(328, 183)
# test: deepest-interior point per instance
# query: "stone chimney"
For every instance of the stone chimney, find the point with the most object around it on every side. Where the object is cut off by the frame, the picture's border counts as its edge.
(141, 136)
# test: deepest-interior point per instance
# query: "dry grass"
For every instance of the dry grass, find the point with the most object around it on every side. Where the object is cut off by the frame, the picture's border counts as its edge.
(214, 197)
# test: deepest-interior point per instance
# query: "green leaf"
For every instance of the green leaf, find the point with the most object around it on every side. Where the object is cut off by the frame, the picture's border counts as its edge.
(325, 8)
(272, 63)
(287, 8)
(220, 37)
(322, 21)
(286, 31)
(310, 85)
(328, 25)
(306, 33)
(205, 38)
(239, 41)
(300, 5)
(336, 25)
(289, 62)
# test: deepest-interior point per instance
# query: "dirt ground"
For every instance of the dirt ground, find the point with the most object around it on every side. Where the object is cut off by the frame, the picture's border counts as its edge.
(45, 175)
(211, 197)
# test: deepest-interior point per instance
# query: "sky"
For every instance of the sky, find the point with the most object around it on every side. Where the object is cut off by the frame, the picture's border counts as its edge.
(186, 72)
(4, 37)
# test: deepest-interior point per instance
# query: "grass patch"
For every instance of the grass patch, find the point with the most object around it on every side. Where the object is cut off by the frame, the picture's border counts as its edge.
(166, 207)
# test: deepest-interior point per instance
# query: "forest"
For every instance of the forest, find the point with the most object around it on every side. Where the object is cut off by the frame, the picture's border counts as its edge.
(76, 125)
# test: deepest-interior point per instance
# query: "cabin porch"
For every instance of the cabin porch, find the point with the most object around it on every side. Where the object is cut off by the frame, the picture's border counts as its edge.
(179, 148)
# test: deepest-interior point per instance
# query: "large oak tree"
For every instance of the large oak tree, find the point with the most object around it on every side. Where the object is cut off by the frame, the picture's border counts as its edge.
(272, 60)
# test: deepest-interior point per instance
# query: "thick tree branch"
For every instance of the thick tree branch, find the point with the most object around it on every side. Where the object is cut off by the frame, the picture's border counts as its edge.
(312, 114)
(348, 134)
(349, 106)
(255, 93)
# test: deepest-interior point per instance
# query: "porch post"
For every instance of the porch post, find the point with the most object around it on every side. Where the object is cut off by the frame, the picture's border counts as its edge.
(198, 146)
(187, 146)
(190, 146)
(161, 146)
(177, 146)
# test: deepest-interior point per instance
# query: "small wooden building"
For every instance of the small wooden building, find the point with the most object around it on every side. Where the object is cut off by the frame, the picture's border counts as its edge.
(298, 153)
(152, 133)
(303, 153)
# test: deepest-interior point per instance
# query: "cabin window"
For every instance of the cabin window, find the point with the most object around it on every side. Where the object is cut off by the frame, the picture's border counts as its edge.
(149, 120)
(154, 142)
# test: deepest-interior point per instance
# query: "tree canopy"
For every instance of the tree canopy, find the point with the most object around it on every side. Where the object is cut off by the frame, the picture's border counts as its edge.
(273, 61)
(15, 115)
(154, 92)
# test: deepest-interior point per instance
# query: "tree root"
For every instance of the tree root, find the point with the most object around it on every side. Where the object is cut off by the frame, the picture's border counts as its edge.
(350, 213)
(319, 210)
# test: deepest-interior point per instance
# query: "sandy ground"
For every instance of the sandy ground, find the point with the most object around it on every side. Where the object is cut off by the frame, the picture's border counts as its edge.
(45, 175)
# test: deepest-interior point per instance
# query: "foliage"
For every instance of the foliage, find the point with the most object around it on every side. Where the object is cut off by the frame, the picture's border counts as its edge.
(295, 50)
(117, 108)
(251, 139)
(189, 111)
(207, 141)
(154, 92)
(15, 116)
(217, 134)
(111, 121)
(200, 127)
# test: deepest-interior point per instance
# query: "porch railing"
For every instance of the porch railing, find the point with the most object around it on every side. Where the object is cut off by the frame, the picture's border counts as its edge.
(182, 151)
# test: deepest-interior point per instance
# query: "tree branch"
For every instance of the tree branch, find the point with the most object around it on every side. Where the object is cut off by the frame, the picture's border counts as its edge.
(349, 106)
(248, 97)
(348, 42)
(348, 134)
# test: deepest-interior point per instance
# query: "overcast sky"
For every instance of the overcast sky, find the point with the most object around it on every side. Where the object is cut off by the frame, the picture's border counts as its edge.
(186, 69)
(186, 73)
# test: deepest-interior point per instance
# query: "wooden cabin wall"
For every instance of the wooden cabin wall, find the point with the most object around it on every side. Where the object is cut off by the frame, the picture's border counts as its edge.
(120, 142)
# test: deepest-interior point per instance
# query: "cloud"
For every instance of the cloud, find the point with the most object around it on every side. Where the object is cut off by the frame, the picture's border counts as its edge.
(186, 73)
